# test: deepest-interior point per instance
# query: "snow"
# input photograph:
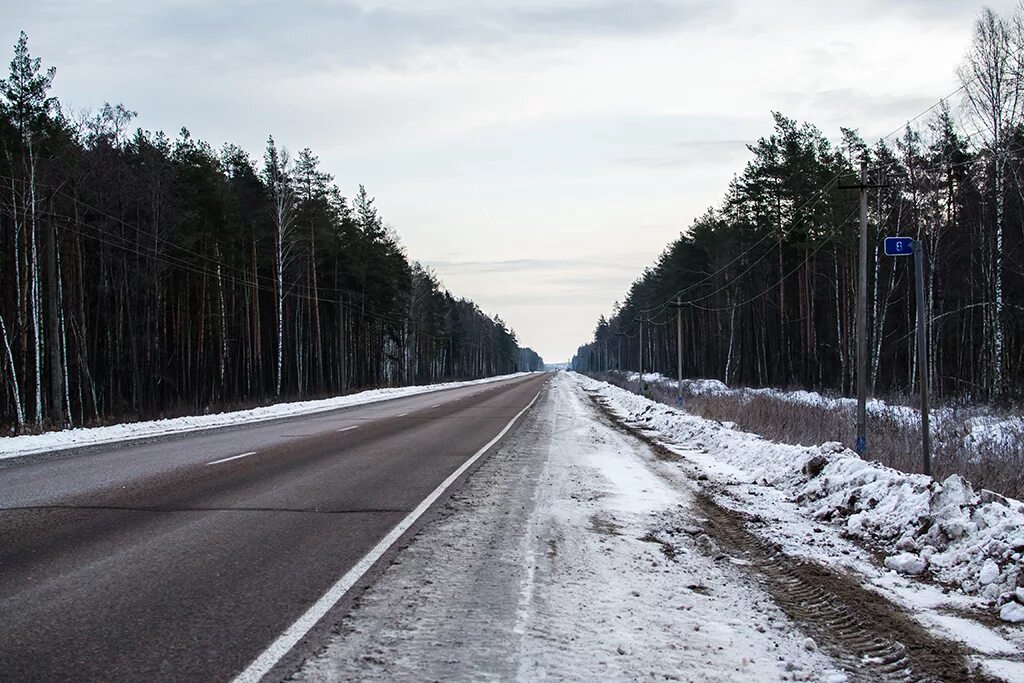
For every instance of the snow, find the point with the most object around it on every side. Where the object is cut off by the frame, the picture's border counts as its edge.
(29, 444)
(1013, 612)
(978, 637)
(544, 566)
(943, 531)
(1009, 670)
(989, 573)
(986, 433)
(906, 563)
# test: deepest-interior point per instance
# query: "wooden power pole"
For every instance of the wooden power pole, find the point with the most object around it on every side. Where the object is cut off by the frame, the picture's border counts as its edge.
(862, 317)
(679, 351)
(862, 308)
(678, 305)
(641, 356)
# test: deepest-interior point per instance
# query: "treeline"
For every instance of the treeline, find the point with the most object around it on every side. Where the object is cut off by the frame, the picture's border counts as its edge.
(768, 280)
(530, 361)
(143, 275)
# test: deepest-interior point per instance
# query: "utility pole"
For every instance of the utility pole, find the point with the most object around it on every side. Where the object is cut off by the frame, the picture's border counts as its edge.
(862, 318)
(862, 308)
(922, 355)
(679, 351)
(678, 305)
(57, 368)
(641, 355)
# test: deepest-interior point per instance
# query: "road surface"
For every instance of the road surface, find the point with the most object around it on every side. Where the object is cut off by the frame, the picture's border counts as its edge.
(186, 558)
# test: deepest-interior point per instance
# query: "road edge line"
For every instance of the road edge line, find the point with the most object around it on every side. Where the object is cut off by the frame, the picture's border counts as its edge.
(283, 644)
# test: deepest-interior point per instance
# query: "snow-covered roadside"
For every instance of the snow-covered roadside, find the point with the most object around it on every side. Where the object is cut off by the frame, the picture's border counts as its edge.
(29, 444)
(543, 567)
(968, 541)
(979, 428)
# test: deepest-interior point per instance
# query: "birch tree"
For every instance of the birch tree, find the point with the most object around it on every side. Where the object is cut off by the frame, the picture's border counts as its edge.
(276, 174)
(993, 98)
(27, 103)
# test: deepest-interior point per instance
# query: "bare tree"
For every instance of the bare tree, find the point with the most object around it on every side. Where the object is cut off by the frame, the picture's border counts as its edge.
(276, 170)
(993, 98)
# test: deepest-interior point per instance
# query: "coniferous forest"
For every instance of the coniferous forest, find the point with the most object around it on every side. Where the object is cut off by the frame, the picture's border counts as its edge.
(768, 279)
(146, 275)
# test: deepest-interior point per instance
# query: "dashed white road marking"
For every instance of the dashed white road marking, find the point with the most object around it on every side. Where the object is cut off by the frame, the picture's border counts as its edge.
(345, 429)
(233, 457)
(401, 415)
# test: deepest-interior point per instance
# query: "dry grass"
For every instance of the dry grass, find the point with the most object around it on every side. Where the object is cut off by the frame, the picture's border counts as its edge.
(892, 441)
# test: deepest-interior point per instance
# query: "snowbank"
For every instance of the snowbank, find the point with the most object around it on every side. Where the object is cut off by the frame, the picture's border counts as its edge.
(964, 539)
(980, 433)
(987, 431)
(16, 446)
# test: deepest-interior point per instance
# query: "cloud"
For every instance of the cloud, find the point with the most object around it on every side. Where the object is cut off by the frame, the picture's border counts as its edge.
(701, 152)
(955, 12)
(617, 17)
(850, 104)
(527, 149)
(524, 265)
(328, 34)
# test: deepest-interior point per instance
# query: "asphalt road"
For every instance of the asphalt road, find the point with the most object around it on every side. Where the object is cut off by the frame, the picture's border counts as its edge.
(177, 560)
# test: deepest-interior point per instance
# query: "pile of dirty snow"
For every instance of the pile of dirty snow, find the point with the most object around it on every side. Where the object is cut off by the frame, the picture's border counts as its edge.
(969, 540)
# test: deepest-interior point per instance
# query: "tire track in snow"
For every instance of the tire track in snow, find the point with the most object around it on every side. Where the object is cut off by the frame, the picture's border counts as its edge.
(873, 638)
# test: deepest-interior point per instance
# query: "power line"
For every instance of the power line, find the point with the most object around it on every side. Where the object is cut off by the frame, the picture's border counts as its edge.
(816, 197)
(923, 113)
(813, 197)
(246, 278)
(175, 262)
(781, 279)
(963, 86)
(158, 240)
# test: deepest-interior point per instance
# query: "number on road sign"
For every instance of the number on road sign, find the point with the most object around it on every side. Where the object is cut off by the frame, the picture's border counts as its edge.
(899, 246)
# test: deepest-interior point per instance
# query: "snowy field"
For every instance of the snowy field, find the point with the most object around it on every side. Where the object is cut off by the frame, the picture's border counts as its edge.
(29, 444)
(579, 551)
(979, 428)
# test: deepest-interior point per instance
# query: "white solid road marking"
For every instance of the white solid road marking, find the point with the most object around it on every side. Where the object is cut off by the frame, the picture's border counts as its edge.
(297, 631)
(345, 429)
(233, 457)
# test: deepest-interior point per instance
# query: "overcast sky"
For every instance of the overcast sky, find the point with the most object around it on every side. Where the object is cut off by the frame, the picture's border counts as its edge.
(537, 155)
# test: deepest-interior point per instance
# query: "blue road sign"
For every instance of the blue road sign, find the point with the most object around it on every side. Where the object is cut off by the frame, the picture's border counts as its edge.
(899, 246)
